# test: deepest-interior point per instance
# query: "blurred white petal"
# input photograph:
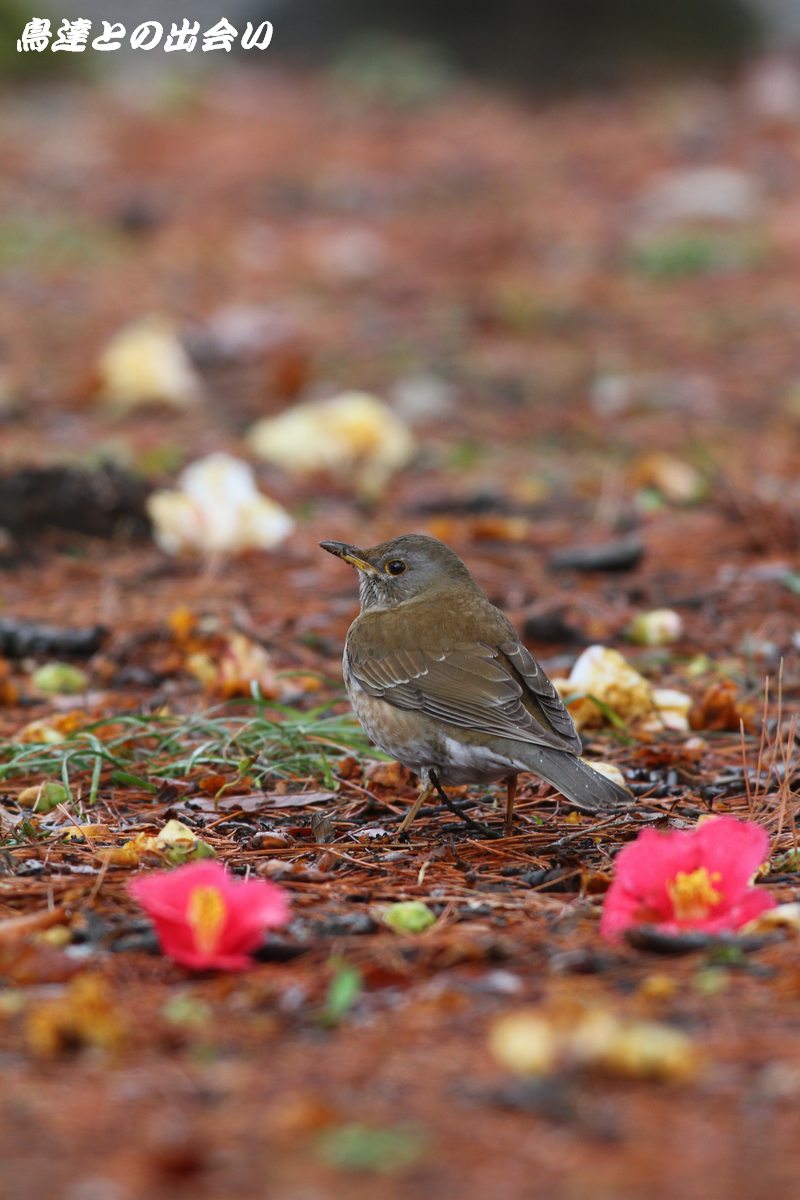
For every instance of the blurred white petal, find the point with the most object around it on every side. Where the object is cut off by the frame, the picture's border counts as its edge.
(217, 511)
(352, 435)
(145, 363)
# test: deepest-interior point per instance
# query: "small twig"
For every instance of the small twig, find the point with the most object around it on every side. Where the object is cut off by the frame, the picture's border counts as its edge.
(98, 883)
(762, 741)
(745, 774)
(586, 831)
(776, 741)
(62, 808)
(351, 786)
(785, 784)
(364, 866)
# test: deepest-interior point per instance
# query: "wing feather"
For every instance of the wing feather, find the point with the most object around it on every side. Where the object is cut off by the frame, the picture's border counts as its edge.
(498, 691)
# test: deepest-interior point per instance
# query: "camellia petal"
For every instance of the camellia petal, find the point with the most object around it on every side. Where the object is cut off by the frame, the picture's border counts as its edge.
(695, 879)
(754, 902)
(206, 918)
(734, 848)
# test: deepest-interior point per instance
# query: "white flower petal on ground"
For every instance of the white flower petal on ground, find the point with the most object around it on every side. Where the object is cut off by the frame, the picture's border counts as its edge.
(218, 510)
(783, 916)
(659, 627)
(671, 711)
(604, 676)
(609, 770)
(353, 434)
(145, 363)
(525, 1042)
(531, 1042)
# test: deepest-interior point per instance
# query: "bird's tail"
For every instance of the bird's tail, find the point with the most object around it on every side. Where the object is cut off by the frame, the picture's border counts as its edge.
(575, 779)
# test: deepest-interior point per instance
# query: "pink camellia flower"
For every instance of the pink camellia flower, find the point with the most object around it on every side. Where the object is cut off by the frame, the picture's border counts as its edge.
(695, 879)
(205, 917)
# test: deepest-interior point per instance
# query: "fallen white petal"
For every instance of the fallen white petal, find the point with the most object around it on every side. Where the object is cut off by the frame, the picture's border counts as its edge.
(145, 363)
(218, 510)
(351, 433)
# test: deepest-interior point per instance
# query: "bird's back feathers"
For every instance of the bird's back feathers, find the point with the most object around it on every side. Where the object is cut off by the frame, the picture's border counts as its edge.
(485, 681)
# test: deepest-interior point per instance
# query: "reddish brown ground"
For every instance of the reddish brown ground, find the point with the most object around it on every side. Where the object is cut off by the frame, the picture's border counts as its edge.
(505, 271)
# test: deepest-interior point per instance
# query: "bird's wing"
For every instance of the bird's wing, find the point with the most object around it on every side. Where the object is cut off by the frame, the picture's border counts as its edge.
(499, 691)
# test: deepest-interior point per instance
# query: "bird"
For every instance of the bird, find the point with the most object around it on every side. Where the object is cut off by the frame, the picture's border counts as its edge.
(440, 680)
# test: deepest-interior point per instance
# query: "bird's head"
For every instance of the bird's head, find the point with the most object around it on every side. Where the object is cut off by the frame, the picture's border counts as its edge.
(401, 569)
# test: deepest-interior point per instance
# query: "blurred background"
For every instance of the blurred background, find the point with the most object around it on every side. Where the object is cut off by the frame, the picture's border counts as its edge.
(557, 249)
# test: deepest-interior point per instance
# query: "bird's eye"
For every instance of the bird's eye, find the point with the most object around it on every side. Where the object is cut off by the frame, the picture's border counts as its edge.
(395, 566)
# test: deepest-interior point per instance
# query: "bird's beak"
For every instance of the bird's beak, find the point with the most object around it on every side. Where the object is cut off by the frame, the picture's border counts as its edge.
(349, 554)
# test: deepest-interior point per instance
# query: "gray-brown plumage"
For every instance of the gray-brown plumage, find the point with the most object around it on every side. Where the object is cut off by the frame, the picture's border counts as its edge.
(440, 680)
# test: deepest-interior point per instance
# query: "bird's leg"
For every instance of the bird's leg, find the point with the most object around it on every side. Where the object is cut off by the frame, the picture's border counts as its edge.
(511, 793)
(473, 824)
(424, 794)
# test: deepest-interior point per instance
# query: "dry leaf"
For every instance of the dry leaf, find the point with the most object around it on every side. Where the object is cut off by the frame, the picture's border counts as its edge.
(85, 1015)
(676, 480)
(783, 916)
(131, 854)
(232, 666)
(8, 691)
(721, 709)
(14, 929)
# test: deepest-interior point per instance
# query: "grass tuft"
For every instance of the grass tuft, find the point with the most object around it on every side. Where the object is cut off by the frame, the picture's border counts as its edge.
(264, 740)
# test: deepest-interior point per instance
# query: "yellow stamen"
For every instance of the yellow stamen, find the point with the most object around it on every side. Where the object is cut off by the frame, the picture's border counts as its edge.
(693, 894)
(206, 912)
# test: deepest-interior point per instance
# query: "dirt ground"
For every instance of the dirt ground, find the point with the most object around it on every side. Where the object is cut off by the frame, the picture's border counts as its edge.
(499, 259)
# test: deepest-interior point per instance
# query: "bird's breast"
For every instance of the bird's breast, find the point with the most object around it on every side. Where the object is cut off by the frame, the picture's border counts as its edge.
(406, 736)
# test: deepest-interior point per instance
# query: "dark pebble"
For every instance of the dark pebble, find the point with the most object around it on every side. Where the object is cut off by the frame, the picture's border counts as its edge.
(620, 555)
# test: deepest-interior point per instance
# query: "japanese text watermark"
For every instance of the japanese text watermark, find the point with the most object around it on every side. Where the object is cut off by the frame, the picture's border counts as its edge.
(73, 36)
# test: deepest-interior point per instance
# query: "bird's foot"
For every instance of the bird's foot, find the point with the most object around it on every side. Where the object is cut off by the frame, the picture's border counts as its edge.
(478, 826)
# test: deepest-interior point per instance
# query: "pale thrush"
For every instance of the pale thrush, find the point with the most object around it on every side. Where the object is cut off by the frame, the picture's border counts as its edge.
(440, 680)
